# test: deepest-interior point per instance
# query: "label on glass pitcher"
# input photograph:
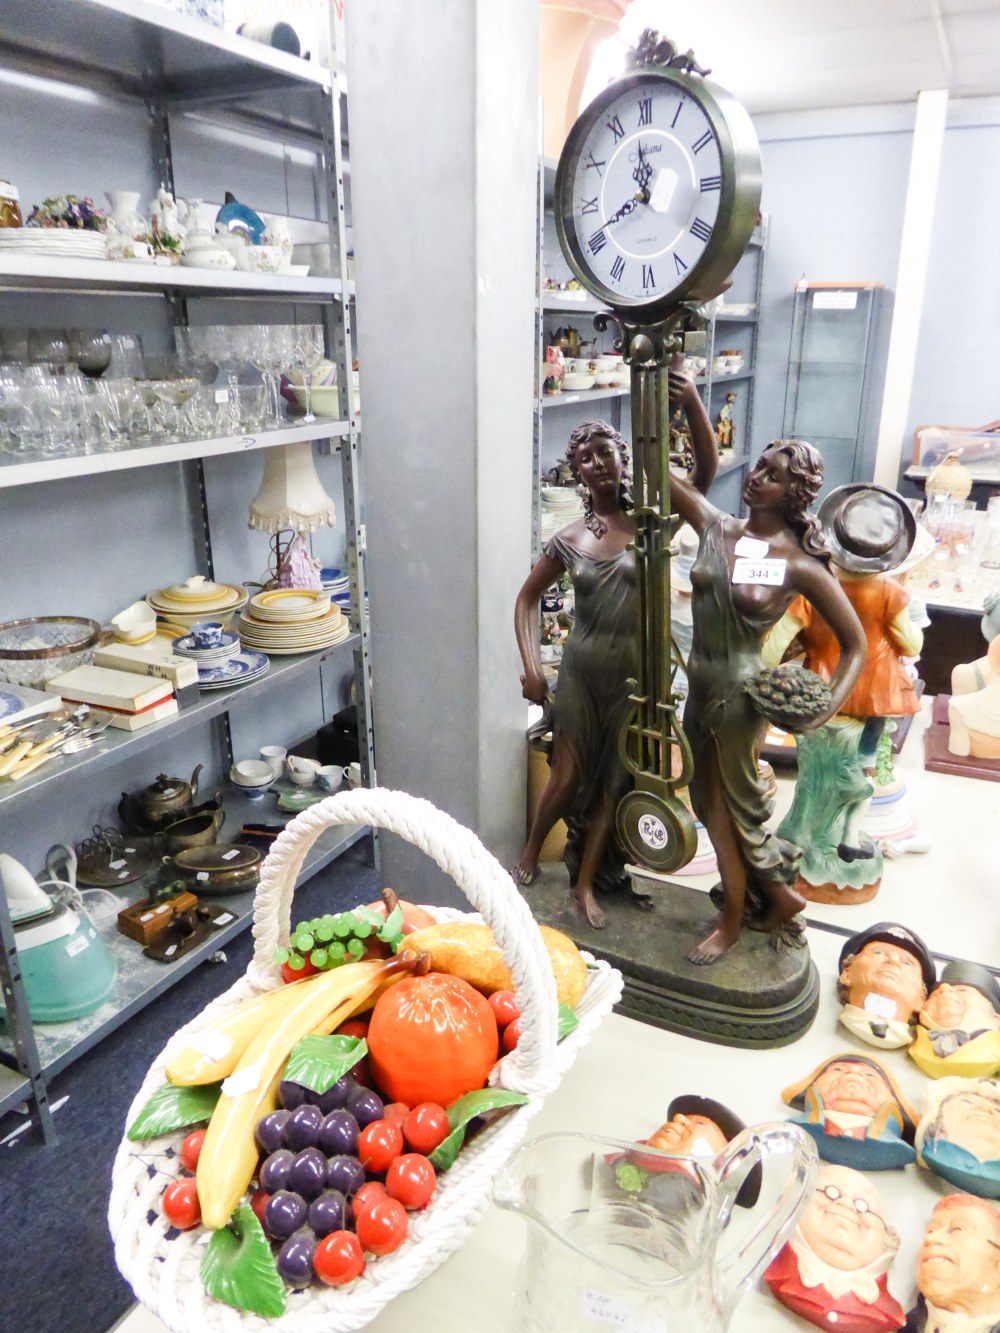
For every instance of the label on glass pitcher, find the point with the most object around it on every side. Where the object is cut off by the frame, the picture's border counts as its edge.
(617, 1313)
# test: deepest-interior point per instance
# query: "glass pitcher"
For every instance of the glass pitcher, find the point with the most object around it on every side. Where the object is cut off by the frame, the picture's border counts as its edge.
(632, 1239)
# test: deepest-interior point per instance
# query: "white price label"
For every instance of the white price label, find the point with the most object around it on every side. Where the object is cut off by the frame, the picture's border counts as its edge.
(216, 1045)
(224, 919)
(835, 300)
(244, 1080)
(117, 865)
(228, 856)
(663, 191)
(222, 395)
(171, 950)
(752, 547)
(202, 875)
(147, 916)
(771, 572)
(880, 1005)
(77, 946)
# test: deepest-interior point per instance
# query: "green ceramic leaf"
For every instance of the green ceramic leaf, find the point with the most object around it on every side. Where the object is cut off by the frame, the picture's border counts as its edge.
(370, 917)
(172, 1108)
(318, 1062)
(238, 1267)
(567, 1021)
(479, 1102)
(465, 1109)
(392, 925)
(443, 1156)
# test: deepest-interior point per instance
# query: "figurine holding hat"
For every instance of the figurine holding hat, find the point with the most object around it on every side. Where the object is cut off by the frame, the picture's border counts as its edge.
(958, 1137)
(886, 974)
(870, 531)
(959, 1032)
(855, 1113)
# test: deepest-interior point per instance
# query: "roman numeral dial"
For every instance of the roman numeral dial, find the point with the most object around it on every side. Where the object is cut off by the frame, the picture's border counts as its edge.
(647, 185)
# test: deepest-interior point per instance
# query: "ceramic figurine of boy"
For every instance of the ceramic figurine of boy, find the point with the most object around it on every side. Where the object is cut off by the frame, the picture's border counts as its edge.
(869, 530)
(834, 1269)
(959, 1030)
(958, 1269)
(886, 973)
(958, 1137)
(855, 1113)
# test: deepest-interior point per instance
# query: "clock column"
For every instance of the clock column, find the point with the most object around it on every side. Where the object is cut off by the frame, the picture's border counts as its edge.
(443, 121)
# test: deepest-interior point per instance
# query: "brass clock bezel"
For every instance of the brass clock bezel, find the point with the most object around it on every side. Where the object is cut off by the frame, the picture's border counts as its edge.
(739, 202)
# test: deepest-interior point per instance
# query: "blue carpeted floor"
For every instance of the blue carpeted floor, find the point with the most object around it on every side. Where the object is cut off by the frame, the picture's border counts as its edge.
(59, 1272)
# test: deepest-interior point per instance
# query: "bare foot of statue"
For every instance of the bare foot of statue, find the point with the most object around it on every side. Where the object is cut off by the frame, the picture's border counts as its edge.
(782, 904)
(719, 940)
(587, 904)
(525, 871)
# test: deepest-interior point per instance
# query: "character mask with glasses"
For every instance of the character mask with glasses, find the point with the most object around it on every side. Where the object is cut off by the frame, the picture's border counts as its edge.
(834, 1269)
(958, 1269)
(958, 1137)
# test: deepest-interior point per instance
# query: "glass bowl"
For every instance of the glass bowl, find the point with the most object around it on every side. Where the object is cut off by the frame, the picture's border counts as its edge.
(33, 651)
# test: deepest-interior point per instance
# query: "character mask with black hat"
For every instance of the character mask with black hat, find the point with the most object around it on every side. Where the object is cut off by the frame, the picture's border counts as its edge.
(959, 1032)
(855, 1113)
(696, 1127)
(886, 973)
(869, 531)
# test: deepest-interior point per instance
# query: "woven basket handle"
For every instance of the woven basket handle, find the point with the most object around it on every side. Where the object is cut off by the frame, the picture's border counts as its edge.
(460, 854)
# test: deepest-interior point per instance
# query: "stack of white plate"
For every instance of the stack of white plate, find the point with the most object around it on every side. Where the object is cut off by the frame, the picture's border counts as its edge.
(561, 505)
(292, 620)
(208, 657)
(72, 242)
(198, 599)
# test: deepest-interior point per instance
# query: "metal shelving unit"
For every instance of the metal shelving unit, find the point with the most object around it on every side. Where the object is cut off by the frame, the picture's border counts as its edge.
(161, 64)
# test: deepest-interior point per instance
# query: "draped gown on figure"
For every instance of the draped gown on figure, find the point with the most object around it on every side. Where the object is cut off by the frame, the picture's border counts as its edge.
(719, 720)
(591, 697)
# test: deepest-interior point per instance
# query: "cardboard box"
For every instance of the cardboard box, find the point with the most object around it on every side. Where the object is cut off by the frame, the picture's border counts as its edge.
(147, 660)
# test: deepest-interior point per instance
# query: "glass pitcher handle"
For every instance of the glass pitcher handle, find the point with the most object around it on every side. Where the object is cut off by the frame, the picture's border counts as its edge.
(739, 1265)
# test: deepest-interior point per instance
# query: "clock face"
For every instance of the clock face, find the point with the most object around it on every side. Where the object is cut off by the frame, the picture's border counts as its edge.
(646, 189)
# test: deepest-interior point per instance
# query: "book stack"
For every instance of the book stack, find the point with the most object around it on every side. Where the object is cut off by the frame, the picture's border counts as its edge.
(129, 700)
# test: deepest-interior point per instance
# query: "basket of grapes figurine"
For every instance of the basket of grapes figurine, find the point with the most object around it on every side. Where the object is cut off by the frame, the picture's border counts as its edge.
(324, 1134)
(790, 696)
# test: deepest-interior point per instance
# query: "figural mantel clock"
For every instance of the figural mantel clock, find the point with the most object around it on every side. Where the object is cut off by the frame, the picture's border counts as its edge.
(658, 186)
(656, 197)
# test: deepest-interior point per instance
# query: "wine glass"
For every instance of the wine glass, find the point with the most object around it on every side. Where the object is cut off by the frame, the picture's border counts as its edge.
(49, 347)
(91, 350)
(229, 348)
(307, 351)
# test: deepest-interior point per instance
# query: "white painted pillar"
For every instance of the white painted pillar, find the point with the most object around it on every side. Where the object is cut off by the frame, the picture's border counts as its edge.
(911, 279)
(443, 130)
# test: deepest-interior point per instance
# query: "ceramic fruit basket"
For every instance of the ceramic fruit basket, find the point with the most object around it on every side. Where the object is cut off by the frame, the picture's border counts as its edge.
(165, 1265)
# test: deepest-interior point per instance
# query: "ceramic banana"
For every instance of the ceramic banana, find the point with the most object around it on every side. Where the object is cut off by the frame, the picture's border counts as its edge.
(229, 1153)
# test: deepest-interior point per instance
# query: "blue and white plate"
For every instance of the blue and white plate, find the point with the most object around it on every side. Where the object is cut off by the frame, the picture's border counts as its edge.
(244, 667)
(10, 704)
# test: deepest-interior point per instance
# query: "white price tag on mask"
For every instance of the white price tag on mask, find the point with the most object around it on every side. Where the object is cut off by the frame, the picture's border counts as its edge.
(770, 572)
(752, 547)
(880, 1005)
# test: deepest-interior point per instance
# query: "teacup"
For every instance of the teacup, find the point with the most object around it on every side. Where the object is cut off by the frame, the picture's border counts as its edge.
(207, 633)
(330, 776)
(300, 770)
(274, 756)
(353, 774)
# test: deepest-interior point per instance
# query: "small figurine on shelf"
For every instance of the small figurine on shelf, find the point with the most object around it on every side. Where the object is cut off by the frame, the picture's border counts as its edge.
(958, 1269)
(855, 1113)
(869, 530)
(554, 370)
(959, 1030)
(886, 973)
(958, 1137)
(681, 454)
(950, 478)
(165, 226)
(834, 1270)
(725, 426)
